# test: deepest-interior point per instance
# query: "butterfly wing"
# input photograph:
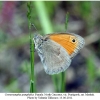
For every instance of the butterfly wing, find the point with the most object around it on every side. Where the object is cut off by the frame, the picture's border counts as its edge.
(54, 57)
(80, 44)
(56, 50)
(70, 41)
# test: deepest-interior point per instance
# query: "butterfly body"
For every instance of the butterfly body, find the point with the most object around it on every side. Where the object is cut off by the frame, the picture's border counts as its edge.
(57, 50)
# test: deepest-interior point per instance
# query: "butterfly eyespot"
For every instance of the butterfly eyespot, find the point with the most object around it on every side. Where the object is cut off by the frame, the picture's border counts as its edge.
(73, 40)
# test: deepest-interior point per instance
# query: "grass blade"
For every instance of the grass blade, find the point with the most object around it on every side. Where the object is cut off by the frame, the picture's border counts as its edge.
(62, 88)
(32, 90)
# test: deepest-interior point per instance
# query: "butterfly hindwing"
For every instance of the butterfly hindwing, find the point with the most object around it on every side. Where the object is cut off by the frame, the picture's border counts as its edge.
(54, 57)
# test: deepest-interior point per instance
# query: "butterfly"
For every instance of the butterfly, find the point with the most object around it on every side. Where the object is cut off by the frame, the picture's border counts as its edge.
(57, 50)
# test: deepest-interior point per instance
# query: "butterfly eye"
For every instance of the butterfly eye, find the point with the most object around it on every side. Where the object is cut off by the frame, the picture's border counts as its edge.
(45, 39)
(73, 40)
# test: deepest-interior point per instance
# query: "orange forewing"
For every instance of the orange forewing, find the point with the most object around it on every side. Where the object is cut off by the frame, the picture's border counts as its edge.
(65, 40)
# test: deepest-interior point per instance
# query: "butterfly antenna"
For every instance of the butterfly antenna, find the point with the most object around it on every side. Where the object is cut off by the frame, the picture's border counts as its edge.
(34, 26)
(35, 34)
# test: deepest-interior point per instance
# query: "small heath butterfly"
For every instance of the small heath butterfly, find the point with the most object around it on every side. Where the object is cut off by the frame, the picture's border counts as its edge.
(57, 50)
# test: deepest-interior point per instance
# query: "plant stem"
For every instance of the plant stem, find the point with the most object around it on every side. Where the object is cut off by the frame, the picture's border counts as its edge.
(66, 22)
(31, 49)
(43, 17)
(32, 64)
(62, 82)
(56, 82)
(62, 89)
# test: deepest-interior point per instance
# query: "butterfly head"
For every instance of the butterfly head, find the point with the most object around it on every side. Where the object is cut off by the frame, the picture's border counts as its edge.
(38, 40)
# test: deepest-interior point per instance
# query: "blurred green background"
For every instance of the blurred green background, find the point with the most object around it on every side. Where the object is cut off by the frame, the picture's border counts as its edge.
(49, 16)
